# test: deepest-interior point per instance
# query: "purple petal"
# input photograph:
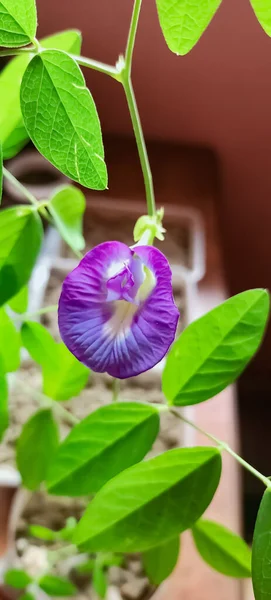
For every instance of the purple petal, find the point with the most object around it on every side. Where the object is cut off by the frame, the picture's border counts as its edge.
(112, 321)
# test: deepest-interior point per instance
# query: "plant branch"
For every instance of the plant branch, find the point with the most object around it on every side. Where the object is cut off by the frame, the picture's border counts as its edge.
(226, 447)
(21, 188)
(97, 66)
(132, 35)
(42, 311)
(18, 51)
(46, 401)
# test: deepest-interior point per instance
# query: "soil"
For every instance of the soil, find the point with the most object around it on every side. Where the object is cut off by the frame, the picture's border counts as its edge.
(127, 582)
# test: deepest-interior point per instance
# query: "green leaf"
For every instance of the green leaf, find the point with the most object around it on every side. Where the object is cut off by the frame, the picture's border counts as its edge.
(67, 207)
(183, 22)
(43, 533)
(214, 350)
(61, 118)
(18, 22)
(19, 302)
(57, 586)
(261, 550)
(63, 375)
(106, 442)
(36, 448)
(1, 171)
(160, 561)
(17, 578)
(27, 596)
(10, 343)
(4, 419)
(151, 501)
(99, 580)
(12, 130)
(222, 549)
(262, 9)
(20, 240)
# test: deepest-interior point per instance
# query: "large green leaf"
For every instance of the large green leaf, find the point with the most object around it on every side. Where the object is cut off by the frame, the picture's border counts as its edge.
(18, 22)
(152, 501)
(57, 586)
(184, 21)
(19, 302)
(106, 442)
(222, 549)
(213, 351)
(261, 550)
(160, 561)
(10, 343)
(17, 578)
(67, 207)
(36, 448)
(3, 400)
(12, 130)
(262, 9)
(63, 375)
(20, 241)
(61, 118)
(1, 171)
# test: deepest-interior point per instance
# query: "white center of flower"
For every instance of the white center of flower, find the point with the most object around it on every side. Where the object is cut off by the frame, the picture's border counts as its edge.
(121, 320)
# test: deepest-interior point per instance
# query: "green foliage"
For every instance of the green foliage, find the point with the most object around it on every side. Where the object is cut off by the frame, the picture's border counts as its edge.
(99, 580)
(17, 578)
(61, 118)
(63, 375)
(3, 400)
(27, 596)
(261, 550)
(67, 207)
(1, 171)
(160, 561)
(19, 302)
(10, 343)
(183, 22)
(57, 586)
(43, 533)
(20, 240)
(104, 443)
(151, 501)
(262, 9)
(222, 549)
(213, 351)
(18, 22)
(12, 130)
(36, 448)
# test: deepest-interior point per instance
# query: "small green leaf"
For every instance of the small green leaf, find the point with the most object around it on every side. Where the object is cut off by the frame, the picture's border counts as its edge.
(106, 442)
(27, 596)
(151, 501)
(61, 118)
(160, 561)
(86, 568)
(12, 130)
(67, 207)
(1, 171)
(20, 240)
(57, 586)
(222, 549)
(43, 533)
(63, 375)
(17, 578)
(261, 550)
(36, 448)
(214, 350)
(19, 302)
(4, 419)
(10, 343)
(262, 9)
(18, 22)
(183, 23)
(99, 580)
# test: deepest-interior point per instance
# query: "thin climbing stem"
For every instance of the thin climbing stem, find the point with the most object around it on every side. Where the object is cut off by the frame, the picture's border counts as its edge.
(21, 188)
(226, 447)
(97, 66)
(18, 51)
(132, 36)
(115, 390)
(45, 401)
(42, 311)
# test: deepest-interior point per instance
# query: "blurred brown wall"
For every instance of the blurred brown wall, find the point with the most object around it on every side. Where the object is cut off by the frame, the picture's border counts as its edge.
(219, 95)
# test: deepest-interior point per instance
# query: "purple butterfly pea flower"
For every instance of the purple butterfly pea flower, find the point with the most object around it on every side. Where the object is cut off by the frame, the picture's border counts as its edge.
(116, 310)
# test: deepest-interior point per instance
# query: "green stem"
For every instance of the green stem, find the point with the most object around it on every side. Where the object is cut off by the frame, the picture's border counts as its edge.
(132, 35)
(115, 389)
(97, 66)
(41, 311)
(17, 52)
(226, 447)
(23, 190)
(46, 401)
